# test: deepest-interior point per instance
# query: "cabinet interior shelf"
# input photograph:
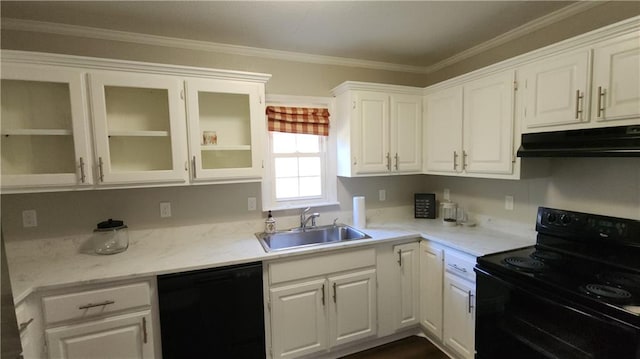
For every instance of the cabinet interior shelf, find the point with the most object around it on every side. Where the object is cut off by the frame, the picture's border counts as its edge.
(36, 132)
(139, 133)
(225, 148)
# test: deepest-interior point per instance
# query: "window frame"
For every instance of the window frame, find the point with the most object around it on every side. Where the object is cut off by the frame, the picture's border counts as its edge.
(329, 177)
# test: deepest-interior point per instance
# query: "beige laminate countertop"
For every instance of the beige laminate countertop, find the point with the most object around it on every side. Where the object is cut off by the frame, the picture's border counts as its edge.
(44, 264)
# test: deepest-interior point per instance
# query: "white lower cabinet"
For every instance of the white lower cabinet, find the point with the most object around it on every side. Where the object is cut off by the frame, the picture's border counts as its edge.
(125, 336)
(298, 319)
(114, 321)
(320, 302)
(431, 278)
(447, 296)
(459, 315)
(406, 307)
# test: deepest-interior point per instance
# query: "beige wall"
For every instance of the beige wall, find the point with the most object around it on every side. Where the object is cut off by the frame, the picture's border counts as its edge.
(607, 13)
(608, 186)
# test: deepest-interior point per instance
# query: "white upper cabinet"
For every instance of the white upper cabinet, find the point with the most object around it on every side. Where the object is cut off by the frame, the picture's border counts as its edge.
(406, 133)
(488, 125)
(45, 128)
(139, 128)
(379, 129)
(595, 86)
(139, 116)
(555, 91)
(470, 128)
(616, 80)
(226, 124)
(443, 129)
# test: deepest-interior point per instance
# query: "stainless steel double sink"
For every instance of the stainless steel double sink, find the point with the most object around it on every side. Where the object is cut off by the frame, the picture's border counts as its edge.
(313, 236)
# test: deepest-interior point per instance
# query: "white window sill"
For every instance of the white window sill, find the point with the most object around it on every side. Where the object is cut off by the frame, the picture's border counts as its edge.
(300, 205)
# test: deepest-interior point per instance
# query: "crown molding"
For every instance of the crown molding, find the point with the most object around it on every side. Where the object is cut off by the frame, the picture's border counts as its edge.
(125, 36)
(534, 25)
(165, 41)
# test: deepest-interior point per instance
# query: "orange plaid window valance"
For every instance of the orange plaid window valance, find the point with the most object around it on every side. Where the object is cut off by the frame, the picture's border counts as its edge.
(310, 121)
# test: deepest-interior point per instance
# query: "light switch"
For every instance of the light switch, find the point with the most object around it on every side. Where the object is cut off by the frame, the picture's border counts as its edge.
(446, 194)
(382, 195)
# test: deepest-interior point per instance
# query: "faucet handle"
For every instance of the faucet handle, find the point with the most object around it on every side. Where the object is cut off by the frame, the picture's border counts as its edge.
(306, 210)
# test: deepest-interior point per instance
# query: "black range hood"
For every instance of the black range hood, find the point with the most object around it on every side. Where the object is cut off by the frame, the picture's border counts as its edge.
(620, 141)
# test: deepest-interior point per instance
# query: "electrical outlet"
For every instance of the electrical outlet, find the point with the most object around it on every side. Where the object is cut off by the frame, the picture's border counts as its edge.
(29, 218)
(251, 204)
(165, 209)
(382, 195)
(446, 194)
(508, 203)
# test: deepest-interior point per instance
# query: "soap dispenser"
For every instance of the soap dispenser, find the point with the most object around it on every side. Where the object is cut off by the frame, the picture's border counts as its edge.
(270, 224)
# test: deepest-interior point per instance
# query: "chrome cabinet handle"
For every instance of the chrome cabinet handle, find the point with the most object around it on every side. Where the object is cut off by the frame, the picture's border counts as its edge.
(397, 162)
(194, 167)
(464, 160)
(82, 175)
(460, 269)
(23, 326)
(388, 161)
(100, 169)
(455, 160)
(579, 99)
(335, 293)
(400, 257)
(601, 93)
(470, 301)
(92, 305)
(144, 330)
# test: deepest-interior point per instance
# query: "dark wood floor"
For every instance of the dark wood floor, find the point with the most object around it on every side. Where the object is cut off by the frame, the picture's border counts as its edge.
(409, 348)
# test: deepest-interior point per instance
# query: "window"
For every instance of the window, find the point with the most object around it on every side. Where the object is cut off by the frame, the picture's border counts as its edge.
(299, 168)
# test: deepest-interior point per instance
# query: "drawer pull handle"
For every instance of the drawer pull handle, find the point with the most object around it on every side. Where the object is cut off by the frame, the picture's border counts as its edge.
(470, 301)
(91, 305)
(144, 330)
(23, 326)
(455, 266)
(335, 293)
(400, 257)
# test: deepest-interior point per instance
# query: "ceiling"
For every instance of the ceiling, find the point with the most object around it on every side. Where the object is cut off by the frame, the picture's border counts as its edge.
(410, 33)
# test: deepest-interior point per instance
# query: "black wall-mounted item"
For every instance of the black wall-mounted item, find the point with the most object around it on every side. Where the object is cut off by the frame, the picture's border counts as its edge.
(425, 205)
(620, 141)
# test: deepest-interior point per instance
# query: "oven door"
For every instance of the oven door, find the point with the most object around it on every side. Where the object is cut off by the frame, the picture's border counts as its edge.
(513, 321)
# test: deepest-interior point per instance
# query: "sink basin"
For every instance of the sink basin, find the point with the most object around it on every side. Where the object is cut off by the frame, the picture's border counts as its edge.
(295, 238)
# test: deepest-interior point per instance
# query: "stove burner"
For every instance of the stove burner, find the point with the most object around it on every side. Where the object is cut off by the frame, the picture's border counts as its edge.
(525, 264)
(621, 280)
(606, 292)
(545, 255)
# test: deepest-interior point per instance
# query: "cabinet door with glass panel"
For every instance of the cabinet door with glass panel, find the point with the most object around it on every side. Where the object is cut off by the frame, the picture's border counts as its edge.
(226, 124)
(139, 128)
(45, 136)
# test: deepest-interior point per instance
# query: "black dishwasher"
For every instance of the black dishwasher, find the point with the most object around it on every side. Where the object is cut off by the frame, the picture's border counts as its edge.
(213, 313)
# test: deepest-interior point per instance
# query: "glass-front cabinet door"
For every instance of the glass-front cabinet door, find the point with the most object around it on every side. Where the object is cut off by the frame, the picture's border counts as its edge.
(226, 124)
(139, 128)
(45, 137)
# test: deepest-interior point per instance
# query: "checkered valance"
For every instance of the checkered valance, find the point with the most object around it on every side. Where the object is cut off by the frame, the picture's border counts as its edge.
(310, 121)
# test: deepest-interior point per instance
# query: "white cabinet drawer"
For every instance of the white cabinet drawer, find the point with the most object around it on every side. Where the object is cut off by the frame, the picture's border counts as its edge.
(460, 264)
(80, 305)
(321, 265)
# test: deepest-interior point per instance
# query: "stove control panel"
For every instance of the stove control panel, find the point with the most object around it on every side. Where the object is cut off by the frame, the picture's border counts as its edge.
(587, 227)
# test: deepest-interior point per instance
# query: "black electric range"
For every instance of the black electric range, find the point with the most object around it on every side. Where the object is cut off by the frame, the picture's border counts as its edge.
(575, 294)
